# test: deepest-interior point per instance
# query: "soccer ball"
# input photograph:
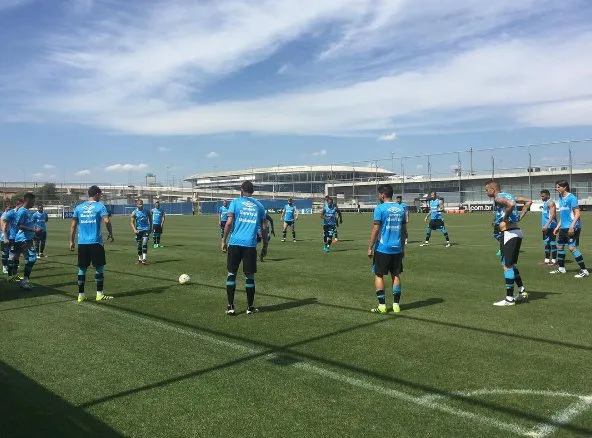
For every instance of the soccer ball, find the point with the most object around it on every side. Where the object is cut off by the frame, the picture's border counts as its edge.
(184, 279)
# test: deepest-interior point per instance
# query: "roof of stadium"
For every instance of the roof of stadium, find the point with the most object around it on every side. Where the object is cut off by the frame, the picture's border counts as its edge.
(292, 169)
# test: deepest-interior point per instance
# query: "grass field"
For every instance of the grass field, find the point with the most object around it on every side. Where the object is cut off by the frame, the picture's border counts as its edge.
(162, 360)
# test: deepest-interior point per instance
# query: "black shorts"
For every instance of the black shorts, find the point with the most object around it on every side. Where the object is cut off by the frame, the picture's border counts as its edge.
(549, 235)
(245, 254)
(290, 223)
(157, 229)
(328, 230)
(222, 225)
(563, 238)
(384, 264)
(20, 247)
(510, 246)
(4, 247)
(40, 237)
(436, 224)
(91, 253)
(141, 234)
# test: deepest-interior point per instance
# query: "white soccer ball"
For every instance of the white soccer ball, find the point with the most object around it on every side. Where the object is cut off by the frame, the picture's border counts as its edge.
(184, 279)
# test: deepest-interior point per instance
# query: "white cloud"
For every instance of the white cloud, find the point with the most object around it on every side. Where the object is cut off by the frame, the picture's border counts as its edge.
(82, 172)
(48, 166)
(283, 69)
(388, 137)
(126, 167)
(400, 64)
(320, 153)
(163, 149)
(9, 4)
(38, 175)
(80, 6)
(212, 154)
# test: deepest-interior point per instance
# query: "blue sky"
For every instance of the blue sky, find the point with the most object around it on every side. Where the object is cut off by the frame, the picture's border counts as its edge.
(107, 90)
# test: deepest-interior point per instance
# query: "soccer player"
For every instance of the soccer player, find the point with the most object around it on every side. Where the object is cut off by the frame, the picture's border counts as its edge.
(40, 218)
(223, 216)
(436, 220)
(289, 216)
(23, 241)
(329, 217)
(10, 229)
(549, 223)
(399, 200)
(507, 218)
(338, 221)
(158, 219)
(270, 231)
(87, 219)
(245, 215)
(568, 229)
(141, 223)
(387, 247)
(4, 242)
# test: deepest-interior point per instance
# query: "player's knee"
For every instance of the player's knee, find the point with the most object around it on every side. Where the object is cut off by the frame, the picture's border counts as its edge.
(82, 271)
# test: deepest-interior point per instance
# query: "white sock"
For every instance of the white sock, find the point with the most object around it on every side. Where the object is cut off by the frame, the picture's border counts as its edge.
(144, 256)
(546, 260)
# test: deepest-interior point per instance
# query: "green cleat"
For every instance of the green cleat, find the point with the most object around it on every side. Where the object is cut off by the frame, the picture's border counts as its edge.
(81, 298)
(380, 309)
(396, 308)
(103, 297)
(160, 246)
(499, 253)
(155, 246)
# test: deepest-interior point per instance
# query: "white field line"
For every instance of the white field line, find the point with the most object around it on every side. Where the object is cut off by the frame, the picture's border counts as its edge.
(425, 402)
(562, 418)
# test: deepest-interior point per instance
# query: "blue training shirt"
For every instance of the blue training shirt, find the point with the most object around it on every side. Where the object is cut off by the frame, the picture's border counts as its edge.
(391, 216)
(142, 220)
(2, 232)
(157, 215)
(566, 206)
(10, 217)
(223, 213)
(24, 217)
(330, 214)
(546, 212)
(40, 220)
(89, 216)
(248, 214)
(500, 210)
(289, 212)
(434, 207)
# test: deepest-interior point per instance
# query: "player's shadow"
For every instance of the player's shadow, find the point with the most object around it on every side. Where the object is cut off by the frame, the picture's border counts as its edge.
(535, 295)
(422, 303)
(160, 262)
(269, 259)
(29, 410)
(288, 305)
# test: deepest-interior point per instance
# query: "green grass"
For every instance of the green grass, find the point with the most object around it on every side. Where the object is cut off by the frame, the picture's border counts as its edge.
(162, 360)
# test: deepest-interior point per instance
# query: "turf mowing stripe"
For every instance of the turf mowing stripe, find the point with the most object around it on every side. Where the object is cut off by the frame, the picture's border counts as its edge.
(425, 402)
(562, 418)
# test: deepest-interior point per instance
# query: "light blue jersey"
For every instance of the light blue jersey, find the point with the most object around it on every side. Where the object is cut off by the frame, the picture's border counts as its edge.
(142, 220)
(500, 210)
(566, 206)
(434, 209)
(223, 213)
(330, 215)
(546, 213)
(40, 220)
(392, 217)
(89, 216)
(157, 215)
(2, 232)
(248, 214)
(10, 217)
(289, 213)
(24, 217)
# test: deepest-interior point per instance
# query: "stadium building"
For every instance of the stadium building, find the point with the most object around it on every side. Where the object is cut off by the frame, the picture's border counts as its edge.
(284, 181)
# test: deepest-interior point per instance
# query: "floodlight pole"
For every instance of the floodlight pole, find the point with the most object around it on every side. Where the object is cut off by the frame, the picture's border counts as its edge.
(530, 172)
(402, 178)
(570, 165)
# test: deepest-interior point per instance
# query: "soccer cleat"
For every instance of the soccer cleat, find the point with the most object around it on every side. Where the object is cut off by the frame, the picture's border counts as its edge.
(505, 303)
(335, 240)
(230, 311)
(583, 273)
(396, 308)
(283, 240)
(143, 262)
(252, 310)
(380, 309)
(425, 244)
(26, 285)
(547, 261)
(558, 271)
(155, 246)
(160, 246)
(81, 298)
(326, 249)
(405, 241)
(139, 262)
(522, 294)
(261, 257)
(103, 297)
(41, 255)
(499, 253)
(18, 277)
(294, 241)
(448, 245)
(4, 269)
(553, 262)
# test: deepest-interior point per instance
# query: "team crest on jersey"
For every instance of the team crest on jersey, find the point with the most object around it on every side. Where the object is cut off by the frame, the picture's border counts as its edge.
(249, 204)
(394, 210)
(88, 208)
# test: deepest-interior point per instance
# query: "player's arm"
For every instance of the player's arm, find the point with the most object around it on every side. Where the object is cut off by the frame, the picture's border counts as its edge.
(219, 217)
(163, 214)
(109, 226)
(295, 214)
(526, 207)
(441, 206)
(339, 216)
(133, 222)
(46, 217)
(373, 237)
(22, 226)
(508, 208)
(73, 228)
(576, 218)
(552, 213)
(227, 228)
(264, 236)
(4, 226)
(270, 219)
